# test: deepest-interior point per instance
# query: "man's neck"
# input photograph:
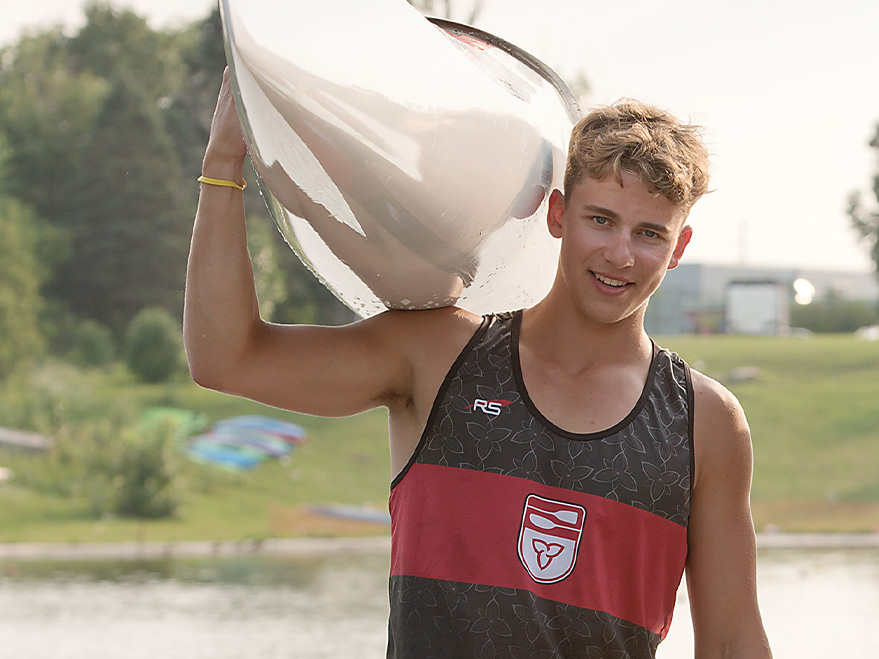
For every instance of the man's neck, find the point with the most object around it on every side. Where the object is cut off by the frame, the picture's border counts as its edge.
(562, 335)
(582, 375)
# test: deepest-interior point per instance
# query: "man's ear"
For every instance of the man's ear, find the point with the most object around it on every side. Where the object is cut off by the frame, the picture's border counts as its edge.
(683, 240)
(555, 212)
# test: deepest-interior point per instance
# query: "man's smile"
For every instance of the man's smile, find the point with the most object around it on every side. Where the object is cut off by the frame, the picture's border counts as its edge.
(616, 283)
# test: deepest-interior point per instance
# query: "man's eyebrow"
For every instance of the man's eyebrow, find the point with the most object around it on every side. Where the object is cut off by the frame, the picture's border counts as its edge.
(658, 228)
(601, 210)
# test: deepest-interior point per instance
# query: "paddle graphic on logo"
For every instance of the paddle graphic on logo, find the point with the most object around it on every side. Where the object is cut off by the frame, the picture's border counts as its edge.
(549, 538)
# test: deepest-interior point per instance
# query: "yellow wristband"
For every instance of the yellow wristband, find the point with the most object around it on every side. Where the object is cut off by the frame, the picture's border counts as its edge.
(222, 183)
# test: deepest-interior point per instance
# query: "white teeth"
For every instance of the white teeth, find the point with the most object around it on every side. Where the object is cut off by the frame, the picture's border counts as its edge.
(609, 281)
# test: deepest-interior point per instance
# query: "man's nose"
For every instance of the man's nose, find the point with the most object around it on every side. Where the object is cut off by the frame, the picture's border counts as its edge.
(618, 251)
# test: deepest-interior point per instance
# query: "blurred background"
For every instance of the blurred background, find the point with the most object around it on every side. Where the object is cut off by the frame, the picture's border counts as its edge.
(104, 115)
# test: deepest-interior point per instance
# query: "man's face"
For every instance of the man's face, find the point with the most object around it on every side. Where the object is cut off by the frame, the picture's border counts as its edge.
(618, 241)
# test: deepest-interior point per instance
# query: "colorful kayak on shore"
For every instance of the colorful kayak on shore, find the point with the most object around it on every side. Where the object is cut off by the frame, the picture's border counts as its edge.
(246, 441)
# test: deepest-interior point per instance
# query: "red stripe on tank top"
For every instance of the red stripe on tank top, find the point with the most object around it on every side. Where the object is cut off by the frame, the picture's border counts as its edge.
(464, 525)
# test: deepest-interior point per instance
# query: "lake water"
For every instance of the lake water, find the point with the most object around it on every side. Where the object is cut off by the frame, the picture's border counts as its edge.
(816, 604)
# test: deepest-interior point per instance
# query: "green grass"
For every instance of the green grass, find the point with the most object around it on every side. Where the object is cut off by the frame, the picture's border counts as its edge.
(814, 418)
(813, 411)
(343, 461)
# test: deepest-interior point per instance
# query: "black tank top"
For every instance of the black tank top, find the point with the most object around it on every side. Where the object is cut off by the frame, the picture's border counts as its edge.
(512, 537)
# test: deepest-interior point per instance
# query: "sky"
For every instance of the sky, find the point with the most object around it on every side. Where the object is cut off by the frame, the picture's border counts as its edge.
(784, 90)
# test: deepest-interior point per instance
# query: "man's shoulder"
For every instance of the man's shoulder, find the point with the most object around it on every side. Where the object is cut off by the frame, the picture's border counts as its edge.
(711, 394)
(441, 323)
(429, 337)
(721, 433)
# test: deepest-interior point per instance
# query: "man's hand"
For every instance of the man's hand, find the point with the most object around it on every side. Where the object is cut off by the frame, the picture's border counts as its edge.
(226, 150)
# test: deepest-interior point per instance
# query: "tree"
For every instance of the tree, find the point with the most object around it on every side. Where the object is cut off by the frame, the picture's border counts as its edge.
(21, 274)
(90, 153)
(92, 344)
(46, 111)
(866, 223)
(118, 43)
(188, 115)
(833, 314)
(20, 279)
(153, 346)
(867, 226)
(129, 227)
(269, 278)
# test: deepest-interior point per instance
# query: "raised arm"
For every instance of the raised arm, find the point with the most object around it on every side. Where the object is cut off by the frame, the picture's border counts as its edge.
(396, 359)
(318, 370)
(220, 310)
(721, 562)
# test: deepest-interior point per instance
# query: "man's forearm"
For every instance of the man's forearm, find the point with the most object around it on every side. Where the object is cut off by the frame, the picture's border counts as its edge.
(220, 308)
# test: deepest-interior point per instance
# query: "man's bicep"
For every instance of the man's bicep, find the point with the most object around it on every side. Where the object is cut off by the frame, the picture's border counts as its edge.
(325, 371)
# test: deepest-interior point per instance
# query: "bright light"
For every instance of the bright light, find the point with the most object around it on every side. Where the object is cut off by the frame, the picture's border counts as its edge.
(804, 291)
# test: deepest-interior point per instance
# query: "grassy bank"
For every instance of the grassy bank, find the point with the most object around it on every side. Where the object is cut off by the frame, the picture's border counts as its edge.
(812, 405)
(343, 461)
(813, 408)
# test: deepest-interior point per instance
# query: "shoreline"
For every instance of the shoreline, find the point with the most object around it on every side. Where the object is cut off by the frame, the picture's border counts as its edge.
(325, 546)
(313, 546)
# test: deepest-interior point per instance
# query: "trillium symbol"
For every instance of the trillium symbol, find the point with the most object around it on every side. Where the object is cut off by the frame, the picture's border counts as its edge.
(545, 551)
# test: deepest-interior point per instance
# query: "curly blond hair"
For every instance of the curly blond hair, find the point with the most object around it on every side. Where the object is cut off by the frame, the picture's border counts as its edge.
(669, 156)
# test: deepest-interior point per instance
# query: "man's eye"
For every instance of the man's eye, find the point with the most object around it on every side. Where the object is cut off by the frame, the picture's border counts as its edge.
(600, 220)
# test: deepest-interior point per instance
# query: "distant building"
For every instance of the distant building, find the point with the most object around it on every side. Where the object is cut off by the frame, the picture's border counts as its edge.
(693, 298)
(753, 306)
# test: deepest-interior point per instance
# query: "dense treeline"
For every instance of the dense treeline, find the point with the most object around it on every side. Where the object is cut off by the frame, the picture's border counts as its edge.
(101, 139)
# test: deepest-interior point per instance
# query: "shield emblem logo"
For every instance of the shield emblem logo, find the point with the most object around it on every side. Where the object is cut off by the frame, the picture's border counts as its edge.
(550, 537)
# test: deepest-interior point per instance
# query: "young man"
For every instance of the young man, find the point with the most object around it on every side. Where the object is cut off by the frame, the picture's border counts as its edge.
(555, 471)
